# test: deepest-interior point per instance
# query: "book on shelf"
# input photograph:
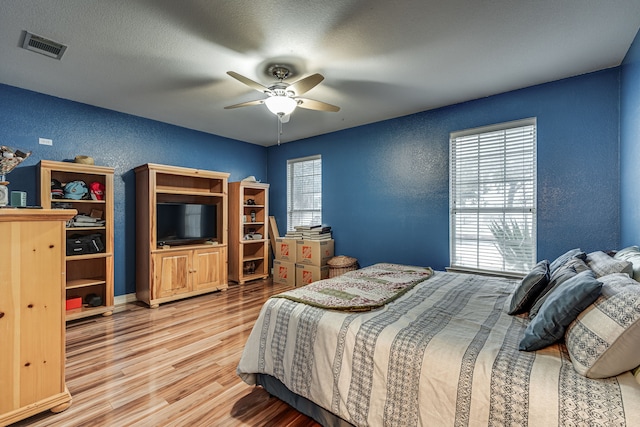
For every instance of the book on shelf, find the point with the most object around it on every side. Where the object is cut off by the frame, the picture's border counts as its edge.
(85, 218)
(82, 220)
(86, 224)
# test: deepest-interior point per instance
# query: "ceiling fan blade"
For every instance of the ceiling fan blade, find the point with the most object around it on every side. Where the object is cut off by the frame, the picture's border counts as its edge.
(311, 104)
(306, 84)
(245, 104)
(253, 85)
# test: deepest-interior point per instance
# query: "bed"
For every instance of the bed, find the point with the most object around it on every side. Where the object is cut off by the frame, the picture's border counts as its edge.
(437, 349)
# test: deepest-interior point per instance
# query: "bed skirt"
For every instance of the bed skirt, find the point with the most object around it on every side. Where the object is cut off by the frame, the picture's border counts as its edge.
(275, 388)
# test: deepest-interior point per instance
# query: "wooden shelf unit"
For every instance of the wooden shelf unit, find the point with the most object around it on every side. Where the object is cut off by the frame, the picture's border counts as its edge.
(88, 273)
(32, 319)
(166, 273)
(247, 253)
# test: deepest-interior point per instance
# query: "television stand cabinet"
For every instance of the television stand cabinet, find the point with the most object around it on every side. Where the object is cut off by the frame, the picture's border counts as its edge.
(167, 272)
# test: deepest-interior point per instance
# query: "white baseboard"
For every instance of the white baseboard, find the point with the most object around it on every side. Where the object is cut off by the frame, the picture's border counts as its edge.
(123, 299)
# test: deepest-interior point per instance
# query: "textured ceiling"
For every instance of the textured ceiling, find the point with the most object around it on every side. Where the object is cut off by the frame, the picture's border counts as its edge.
(167, 60)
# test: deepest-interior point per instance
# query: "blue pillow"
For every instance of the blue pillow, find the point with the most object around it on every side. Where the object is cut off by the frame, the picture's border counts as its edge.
(529, 288)
(561, 308)
(569, 269)
(562, 259)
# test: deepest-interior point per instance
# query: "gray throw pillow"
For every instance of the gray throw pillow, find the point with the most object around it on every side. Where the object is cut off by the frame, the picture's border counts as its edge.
(562, 259)
(631, 254)
(529, 288)
(569, 269)
(561, 308)
(603, 264)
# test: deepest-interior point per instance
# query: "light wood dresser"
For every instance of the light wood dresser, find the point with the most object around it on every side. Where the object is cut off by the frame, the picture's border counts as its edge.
(32, 312)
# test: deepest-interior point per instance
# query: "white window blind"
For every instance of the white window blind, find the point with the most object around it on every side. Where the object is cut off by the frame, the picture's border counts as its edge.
(493, 198)
(304, 191)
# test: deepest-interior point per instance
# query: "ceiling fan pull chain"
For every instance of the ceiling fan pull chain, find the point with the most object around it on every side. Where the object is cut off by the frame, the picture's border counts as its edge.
(279, 129)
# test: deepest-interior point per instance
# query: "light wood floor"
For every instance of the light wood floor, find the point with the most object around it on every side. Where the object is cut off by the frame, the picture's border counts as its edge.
(171, 366)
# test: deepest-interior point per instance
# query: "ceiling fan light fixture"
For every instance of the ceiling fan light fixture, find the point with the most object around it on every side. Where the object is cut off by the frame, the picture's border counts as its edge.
(280, 105)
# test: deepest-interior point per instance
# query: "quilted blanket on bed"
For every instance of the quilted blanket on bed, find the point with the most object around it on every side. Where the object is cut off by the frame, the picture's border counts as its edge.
(443, 354)
(360, 290)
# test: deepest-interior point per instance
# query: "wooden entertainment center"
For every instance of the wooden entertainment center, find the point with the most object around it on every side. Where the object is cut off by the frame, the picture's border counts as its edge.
(166, 272)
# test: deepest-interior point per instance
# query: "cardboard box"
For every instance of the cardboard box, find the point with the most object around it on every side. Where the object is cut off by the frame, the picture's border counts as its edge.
(285, 250)
(314, 252)
(306, 274)
(284, 272)
(74, 302)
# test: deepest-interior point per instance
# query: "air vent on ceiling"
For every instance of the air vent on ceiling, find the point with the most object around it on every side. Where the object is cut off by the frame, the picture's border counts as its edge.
(44, 46)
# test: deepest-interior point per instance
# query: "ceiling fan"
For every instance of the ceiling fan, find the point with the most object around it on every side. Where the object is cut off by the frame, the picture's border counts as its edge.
(283, 97)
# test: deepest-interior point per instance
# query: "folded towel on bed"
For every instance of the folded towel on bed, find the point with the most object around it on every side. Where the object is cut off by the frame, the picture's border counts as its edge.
(360, 290)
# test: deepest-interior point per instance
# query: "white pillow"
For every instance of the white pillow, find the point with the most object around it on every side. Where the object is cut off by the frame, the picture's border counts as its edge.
(602, 264)
(603, 340)
(631, 254)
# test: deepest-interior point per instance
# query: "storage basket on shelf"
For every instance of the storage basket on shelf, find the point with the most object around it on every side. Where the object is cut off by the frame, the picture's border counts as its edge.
(341, 264)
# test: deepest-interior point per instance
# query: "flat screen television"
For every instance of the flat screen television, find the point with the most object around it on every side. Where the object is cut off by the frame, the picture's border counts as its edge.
(185, 223)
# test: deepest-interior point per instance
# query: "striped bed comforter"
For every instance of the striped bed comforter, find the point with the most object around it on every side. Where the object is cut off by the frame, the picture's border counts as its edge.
(445, 353)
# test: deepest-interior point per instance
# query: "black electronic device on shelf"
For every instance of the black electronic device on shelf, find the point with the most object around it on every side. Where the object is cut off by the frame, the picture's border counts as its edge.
(185, 223)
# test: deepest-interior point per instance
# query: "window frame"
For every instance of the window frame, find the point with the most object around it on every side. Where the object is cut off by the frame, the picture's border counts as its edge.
(485, 221)
(315, 213)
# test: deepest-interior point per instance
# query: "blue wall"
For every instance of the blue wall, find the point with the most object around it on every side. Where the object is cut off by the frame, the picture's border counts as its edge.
(630, 146)
(117, 140)
(385, 185)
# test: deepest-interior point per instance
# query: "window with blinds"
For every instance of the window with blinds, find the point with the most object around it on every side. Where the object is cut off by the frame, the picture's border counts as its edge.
(304, 191)
(492, 200)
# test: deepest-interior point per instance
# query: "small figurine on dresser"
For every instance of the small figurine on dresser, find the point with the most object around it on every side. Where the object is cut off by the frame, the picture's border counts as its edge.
(9, 159)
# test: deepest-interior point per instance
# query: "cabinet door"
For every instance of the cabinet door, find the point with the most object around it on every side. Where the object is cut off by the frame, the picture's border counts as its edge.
(208, 268)
(171, 274)
(31, 322)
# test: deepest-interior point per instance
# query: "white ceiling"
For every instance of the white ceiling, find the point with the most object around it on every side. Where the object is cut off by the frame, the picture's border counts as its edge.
(167, 60)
